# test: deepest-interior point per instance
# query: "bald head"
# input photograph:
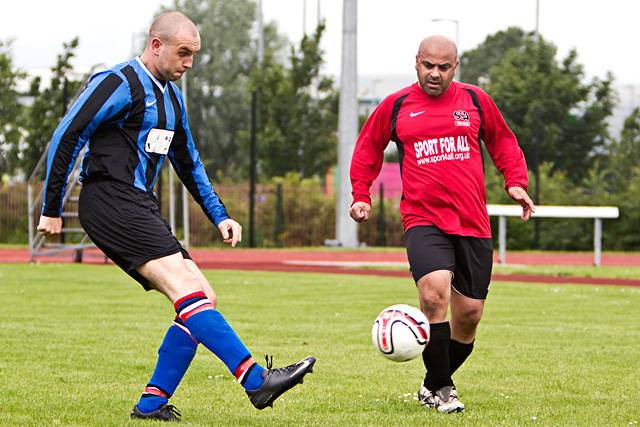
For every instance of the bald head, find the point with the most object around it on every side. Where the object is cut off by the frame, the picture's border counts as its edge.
(169, 25)
(436, 64)
(173, 42)
(440, 44)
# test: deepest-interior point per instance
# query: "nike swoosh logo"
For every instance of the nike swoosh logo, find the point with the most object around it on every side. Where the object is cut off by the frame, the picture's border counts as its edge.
(412, 114)
(302, 367)
(149, 104)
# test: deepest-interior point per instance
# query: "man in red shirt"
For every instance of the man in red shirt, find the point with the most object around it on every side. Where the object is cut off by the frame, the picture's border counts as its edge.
(437, 125)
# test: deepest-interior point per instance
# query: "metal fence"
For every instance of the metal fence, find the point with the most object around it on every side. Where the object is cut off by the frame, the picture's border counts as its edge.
(287, 214)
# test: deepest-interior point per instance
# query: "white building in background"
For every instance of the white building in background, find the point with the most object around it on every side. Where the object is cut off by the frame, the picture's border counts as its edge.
(373, 88)
(628, 100)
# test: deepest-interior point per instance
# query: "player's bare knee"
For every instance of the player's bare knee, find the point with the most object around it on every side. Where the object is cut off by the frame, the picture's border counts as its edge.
(435, 284)
(433, 298)
(433, 304)
(187, 282)
(211, 295)
(471, 316)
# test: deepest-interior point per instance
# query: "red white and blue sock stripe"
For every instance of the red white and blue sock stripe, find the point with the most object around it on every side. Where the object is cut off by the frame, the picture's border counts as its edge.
(153, 390)
(192, 304)
(207, 326)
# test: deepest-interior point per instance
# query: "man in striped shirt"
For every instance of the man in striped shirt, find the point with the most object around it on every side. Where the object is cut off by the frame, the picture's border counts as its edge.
(132, 117)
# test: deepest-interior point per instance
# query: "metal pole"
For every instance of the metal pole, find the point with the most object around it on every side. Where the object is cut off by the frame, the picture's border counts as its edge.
(260, 33)
(597, 242)
(304, 17)
(253, 170)
(253, 155)
(536, 170)
(172, 201)
(536, 33)
(185, 195)
(30, 220)
(185, 216)
(502, 240)
(346, 228)
(536, 148)
(381, 240)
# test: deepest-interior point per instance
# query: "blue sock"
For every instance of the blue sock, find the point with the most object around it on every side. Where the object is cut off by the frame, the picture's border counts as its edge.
(253, 379)
(210, 328)
(174, 357)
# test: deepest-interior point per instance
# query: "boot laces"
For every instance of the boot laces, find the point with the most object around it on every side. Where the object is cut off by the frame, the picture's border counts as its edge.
(173, 410)
(286, 369)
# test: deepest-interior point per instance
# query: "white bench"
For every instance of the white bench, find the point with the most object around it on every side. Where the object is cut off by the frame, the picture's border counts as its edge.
(598, 213)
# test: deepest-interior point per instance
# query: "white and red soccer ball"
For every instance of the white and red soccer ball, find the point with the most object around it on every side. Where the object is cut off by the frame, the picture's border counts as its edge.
(400, 332)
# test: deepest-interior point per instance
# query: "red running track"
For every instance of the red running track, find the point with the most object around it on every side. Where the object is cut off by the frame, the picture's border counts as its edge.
(337, 261)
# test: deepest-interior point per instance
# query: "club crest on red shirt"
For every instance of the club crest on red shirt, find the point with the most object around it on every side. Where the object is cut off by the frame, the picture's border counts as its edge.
(461, 118)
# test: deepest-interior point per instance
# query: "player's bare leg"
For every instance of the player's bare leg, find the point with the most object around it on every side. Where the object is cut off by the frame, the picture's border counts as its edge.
(437, 390)
(204, 283)
(465, 315)
(434, 292)
(186, 287)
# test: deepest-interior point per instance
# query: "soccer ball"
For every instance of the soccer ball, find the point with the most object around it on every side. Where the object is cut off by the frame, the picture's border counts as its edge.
(400, 332)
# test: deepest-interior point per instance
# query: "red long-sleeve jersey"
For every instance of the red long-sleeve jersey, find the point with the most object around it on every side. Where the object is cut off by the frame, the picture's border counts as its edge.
(441, 166)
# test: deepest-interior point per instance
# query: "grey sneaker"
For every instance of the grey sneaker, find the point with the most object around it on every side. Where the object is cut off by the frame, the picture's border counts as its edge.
(446, 400)
(426, 397)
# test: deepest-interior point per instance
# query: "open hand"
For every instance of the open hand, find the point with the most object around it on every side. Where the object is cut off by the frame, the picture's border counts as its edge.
(231, 232)
(520, 195)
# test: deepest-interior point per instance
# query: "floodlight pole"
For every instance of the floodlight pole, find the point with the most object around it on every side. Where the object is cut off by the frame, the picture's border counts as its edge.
(536, 145)
(253, 155)
(185, 193)
(346, 228)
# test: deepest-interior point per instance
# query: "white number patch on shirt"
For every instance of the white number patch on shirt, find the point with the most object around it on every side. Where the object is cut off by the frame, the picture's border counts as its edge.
(158, 141)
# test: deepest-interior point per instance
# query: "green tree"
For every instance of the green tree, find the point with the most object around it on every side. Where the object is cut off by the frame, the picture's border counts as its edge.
(218, 98)
(556, 117)
(297, 112)
(49, 105)
(622, 233)
(476, 63)
(625, 153)
(10, 110)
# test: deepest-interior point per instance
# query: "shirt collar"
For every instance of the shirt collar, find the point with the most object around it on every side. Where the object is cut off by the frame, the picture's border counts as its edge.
(153, 78)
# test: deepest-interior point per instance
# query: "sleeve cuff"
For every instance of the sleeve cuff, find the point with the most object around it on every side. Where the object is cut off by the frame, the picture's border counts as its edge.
(524, 186)
(366, 199)
(51, 213)
(220, 219)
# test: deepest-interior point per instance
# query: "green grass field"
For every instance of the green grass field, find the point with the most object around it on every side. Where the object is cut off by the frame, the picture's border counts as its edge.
(606, 271)
(79, 343)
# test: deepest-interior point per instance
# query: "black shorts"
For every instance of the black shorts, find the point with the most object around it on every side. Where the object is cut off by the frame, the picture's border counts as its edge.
(469, 258)
(125, 223)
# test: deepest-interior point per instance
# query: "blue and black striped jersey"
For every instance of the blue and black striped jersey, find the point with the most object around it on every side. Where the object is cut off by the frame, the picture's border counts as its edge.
(124, 115)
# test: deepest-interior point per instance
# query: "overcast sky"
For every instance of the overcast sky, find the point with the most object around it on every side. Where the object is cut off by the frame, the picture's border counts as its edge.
(606, 35)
